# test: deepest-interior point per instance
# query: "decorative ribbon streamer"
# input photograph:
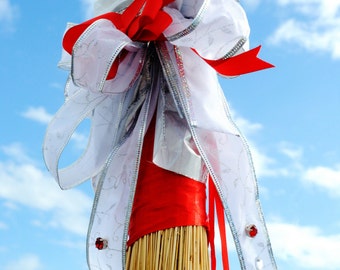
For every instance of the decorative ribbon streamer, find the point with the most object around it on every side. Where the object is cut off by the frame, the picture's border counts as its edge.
(243, 63)
(214, 200)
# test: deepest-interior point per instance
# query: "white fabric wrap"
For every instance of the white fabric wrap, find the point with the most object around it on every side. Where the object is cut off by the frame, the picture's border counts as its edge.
(216, 30)
(120, 111)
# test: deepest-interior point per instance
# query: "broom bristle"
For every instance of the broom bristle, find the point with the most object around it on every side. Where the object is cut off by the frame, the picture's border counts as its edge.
(170, 249)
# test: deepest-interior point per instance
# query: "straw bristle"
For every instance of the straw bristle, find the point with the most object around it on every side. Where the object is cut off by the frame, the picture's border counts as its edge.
(184, 248)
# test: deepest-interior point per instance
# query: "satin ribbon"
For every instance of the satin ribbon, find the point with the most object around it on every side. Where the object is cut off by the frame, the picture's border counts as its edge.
(166, 198)
(240, 64)
(215, 202)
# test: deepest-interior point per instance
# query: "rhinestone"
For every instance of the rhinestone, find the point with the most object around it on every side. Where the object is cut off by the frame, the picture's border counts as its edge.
(251, 230)
(101, 243)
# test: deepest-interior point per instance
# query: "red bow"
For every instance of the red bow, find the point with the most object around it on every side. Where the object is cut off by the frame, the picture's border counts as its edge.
(145, 21)
(141, 21)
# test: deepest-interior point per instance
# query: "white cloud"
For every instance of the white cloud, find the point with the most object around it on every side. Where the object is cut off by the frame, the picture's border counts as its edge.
(264, 164)
(291, 151)
(26, 184)
(305, 246)
(27, 262)
(3, 226)
(8, 12)
(11, 206)
(15, 151)
(80, 140)
(251, 4)
(294, 167)
(57, 85)
(245, 125)
(326, 178)
(88, 7)
(315, 28)
(38, 114)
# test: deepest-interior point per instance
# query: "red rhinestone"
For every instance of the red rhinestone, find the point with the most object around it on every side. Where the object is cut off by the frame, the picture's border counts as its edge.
(101, 243)
(251, 230)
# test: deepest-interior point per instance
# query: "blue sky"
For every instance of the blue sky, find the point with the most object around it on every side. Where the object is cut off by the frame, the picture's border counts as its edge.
(290, 116)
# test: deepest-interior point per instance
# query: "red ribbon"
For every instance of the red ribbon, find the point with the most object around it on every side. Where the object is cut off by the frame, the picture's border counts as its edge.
(141, 21)
(243, 63)
(164, 199)
(215, 201)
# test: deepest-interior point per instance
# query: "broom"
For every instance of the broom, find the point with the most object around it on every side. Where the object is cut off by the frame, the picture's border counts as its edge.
(175, 248)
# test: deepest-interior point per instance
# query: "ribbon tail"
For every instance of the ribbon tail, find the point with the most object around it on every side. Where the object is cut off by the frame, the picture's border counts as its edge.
(243, 63)
(215, 202)
(211, 234)
(223, 234)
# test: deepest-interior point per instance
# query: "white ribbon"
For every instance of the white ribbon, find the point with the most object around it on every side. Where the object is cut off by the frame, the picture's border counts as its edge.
(89, 91)
(90, 95)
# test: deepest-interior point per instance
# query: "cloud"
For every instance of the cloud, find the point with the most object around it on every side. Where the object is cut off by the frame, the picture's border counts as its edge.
(27, 262)
(8, 12)
(3, 226)
(245, 125)
(287, 161)
(264, 164)
(38, 114)
(251, 4)
(316, 27)
(305, 246)
(15, 151)
(291, 151)
(326, 178)
(88, 7)
(80, 140)
(27, 185)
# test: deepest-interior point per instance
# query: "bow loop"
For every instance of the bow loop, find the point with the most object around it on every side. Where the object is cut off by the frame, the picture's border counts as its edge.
(142, 21)
(95, 53)
(149, 28)
(145, 20)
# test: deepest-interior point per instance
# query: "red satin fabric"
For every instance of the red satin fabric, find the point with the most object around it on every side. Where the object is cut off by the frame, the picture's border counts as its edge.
(215, 202)
(141, 21)
(164, 199)
(243, 63)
